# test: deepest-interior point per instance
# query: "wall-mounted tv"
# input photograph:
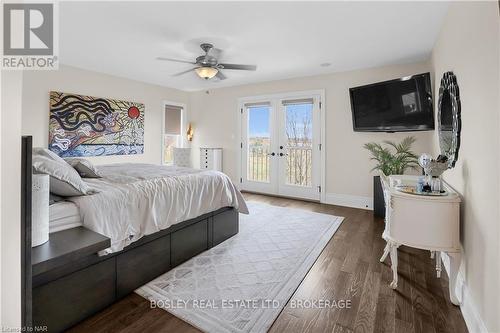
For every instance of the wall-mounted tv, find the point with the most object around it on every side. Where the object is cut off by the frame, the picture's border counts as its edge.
(398, 105)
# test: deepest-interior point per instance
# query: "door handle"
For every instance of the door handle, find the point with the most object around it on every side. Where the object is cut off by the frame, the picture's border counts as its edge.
(281, 147)
(272, 154)
(281, 154)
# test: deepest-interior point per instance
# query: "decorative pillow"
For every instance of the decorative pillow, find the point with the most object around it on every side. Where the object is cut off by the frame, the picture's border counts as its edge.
(64, 180)
(39, 151)
(84, 167)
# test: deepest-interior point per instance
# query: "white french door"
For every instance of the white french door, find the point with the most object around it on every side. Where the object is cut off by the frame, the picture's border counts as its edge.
(280, 146)
(258, 147)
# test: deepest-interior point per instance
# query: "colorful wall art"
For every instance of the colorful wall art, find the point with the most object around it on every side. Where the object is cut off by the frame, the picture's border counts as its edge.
(92, 126)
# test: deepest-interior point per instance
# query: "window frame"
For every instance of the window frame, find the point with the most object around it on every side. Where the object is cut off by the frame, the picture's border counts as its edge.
(182, 140)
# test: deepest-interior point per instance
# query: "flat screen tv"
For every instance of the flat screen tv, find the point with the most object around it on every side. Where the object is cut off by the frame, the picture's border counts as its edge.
(398, 105)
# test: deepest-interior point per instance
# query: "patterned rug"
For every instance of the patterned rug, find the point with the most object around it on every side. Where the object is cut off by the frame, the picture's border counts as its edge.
(242, 284)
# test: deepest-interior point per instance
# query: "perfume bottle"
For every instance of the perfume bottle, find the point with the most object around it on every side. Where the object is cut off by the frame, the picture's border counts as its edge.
(427, 184)
(420, 185)
(436, 185)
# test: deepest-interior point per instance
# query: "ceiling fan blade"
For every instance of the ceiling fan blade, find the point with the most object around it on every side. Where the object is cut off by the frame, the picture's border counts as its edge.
(184, 72)
(240, 67)
(175, 60)
(220, 76)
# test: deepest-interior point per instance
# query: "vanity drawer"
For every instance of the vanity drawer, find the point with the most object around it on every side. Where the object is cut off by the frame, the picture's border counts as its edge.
(426, 224)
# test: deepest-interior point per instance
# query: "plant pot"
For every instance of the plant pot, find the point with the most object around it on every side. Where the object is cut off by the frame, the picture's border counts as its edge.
(378, 198)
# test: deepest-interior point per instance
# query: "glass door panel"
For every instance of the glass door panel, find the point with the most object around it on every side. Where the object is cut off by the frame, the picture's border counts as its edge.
(299, 152)
(259, 143)
(298, 144)
(259, 165)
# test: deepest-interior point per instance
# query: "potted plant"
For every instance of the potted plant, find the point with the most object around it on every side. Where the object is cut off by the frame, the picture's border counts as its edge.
(392, 159)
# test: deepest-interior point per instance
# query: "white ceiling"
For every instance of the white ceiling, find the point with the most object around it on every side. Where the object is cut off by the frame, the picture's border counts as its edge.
(284, 39)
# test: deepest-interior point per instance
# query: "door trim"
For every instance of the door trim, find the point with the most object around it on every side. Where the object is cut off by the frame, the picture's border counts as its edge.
(246, 99)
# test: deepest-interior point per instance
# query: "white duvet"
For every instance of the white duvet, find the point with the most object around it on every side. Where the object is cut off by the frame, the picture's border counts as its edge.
(140, 199)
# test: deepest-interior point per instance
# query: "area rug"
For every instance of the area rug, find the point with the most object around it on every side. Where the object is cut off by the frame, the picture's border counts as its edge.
(242, 284)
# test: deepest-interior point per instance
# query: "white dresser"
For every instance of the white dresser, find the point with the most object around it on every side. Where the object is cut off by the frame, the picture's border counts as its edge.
(211, 158)
(424, 222)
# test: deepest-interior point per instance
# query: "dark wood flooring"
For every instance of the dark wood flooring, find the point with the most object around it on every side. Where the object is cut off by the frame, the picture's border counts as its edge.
(348, 268)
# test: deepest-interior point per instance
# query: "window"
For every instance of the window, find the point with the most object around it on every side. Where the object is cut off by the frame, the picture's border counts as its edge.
(172, 131)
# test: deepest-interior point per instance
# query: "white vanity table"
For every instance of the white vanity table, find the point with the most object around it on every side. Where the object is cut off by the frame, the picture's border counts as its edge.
(424, 222)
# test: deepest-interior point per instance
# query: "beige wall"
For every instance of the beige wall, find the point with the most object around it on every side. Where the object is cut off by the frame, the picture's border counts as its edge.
(215, 117)
(38, 84)
(469, 46)
(10, 203)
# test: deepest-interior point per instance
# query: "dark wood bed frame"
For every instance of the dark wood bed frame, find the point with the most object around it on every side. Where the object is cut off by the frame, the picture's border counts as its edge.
(70, 281)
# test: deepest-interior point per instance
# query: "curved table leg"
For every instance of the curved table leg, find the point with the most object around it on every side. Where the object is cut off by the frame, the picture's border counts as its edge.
(394, 266)
(438, 264)
(455, 258)
(386, 252)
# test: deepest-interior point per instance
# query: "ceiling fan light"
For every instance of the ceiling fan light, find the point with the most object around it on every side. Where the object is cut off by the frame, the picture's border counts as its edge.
(206, 72)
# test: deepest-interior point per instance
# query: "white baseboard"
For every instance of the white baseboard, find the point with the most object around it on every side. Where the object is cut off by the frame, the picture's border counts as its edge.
(469, 311)
(347, 200)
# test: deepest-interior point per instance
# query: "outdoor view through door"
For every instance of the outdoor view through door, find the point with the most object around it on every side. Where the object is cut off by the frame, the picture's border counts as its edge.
(298, 141)
(280, 146)
(259, 143)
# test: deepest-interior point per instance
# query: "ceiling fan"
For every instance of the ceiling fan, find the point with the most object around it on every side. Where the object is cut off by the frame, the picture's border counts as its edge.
(208, 66)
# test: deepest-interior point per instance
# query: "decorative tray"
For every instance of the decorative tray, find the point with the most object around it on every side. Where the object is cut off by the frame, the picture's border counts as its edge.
(413, 190)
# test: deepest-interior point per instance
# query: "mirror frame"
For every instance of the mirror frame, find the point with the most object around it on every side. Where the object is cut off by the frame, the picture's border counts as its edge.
(449, 84)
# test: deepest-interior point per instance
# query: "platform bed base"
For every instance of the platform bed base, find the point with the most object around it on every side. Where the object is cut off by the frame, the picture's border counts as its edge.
(65, 295)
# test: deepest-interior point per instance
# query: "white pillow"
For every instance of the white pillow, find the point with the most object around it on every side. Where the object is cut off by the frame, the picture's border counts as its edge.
(64, 180)
(84, 167)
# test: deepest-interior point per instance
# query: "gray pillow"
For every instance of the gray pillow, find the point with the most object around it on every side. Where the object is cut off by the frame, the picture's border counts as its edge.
(84, 167)
(39, 151)
(64, 180)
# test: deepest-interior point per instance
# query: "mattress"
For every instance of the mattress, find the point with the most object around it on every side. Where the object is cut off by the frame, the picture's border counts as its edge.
(63, 215)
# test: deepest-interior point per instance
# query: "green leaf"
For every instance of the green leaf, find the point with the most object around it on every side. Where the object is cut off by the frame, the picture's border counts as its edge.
(394, 159)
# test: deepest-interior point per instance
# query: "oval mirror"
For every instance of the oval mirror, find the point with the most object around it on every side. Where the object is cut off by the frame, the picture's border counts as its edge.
(449, 122)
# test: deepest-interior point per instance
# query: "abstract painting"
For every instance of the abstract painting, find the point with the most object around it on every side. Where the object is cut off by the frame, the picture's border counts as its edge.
(92, 126)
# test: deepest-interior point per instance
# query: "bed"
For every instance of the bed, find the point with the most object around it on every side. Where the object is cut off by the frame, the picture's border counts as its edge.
(134, 200)
(155, 217)
(179, 193)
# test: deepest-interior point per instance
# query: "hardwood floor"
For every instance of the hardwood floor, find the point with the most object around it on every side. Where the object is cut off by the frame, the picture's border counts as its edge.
(349, 269)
